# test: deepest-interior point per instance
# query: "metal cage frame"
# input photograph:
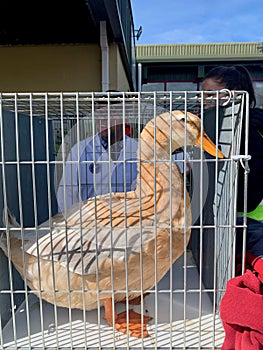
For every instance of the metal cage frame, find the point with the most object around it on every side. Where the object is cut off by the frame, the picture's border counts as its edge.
(37, 133)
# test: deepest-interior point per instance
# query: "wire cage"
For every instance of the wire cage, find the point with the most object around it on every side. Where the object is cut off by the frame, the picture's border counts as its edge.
(89, 208)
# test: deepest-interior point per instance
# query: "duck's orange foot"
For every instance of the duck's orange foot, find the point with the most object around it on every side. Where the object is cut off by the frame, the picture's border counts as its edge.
(136, 326)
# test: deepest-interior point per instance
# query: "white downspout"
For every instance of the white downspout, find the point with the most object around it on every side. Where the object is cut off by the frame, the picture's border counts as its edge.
(139, 87)
(104, 56)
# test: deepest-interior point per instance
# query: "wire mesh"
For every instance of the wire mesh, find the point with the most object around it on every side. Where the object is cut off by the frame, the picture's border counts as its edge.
(75, 176)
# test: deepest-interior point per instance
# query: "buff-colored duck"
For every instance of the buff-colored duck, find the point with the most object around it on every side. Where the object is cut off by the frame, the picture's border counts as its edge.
(110, 242)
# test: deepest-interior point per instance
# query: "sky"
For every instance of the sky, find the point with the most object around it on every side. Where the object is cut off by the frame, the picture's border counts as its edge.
(198, 21)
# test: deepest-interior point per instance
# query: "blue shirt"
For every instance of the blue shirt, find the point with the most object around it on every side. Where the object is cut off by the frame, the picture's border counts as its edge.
(95, 172)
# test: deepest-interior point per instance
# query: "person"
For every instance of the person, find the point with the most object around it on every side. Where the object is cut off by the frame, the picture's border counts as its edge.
(108, 155)
(100, 164)
(238, 78)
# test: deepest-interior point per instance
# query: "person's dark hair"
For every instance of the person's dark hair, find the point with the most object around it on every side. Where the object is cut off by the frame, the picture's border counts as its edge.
(234, 78)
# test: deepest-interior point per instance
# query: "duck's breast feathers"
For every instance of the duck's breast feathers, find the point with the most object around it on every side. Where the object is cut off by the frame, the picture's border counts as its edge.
(83, 250)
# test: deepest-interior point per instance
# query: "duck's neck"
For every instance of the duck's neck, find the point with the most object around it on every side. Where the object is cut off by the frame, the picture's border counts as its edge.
(161, 185)
(159, 179)
(153, 151)
(149, 160)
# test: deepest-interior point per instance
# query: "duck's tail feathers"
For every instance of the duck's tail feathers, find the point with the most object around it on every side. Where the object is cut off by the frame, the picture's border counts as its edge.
(9, 219)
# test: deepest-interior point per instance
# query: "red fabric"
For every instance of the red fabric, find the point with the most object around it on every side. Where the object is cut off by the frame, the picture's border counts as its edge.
(252, 262)
(241, 308)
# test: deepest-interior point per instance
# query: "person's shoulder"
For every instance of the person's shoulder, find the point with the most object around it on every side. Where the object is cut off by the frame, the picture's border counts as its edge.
(83, 143)
(256, 111)
(256, 118)
(256, 131)
(80, 147)
(131, 140)
(131, 145)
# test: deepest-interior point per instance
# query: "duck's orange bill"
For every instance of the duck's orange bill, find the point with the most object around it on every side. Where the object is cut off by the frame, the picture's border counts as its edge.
(208, 145)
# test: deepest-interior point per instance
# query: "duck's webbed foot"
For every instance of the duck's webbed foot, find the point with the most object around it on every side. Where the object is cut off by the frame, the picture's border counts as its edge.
(136, 326)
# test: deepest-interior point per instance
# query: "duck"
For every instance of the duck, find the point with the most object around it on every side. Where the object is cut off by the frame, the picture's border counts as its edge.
(115, 247)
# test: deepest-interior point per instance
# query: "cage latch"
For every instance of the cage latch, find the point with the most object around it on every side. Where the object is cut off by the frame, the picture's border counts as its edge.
(243, 159)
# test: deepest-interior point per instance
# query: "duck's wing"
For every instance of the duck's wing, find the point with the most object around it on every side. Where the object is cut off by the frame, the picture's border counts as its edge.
(81, 250)
(102, 228)
(110, 210)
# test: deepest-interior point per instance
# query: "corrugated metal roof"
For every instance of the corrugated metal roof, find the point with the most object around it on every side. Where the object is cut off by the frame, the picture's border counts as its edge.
(199, 52)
